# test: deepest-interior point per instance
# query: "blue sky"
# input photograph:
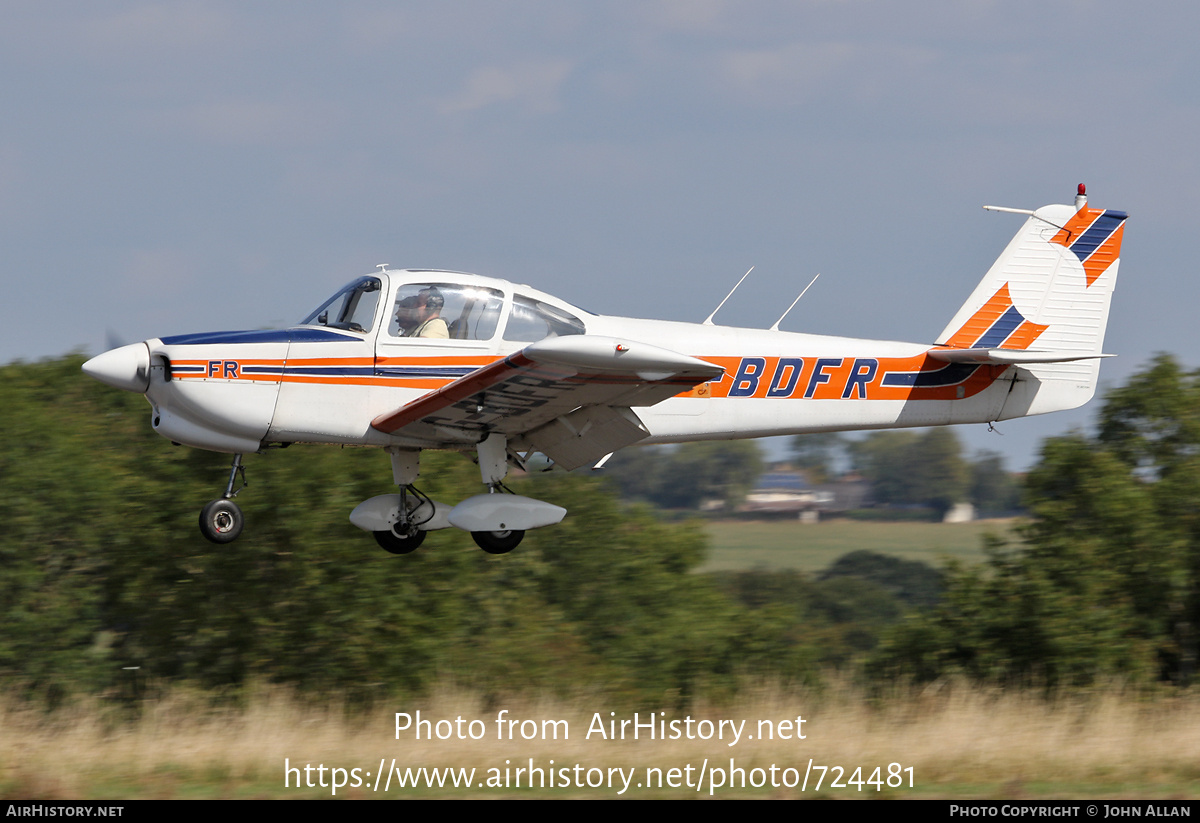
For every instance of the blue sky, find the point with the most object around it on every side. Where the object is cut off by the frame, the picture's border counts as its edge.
(176, 167)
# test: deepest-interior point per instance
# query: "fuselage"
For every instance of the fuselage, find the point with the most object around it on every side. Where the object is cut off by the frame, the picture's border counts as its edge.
(353, 359)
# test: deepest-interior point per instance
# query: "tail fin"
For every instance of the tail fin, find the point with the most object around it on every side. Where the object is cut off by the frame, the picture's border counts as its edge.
(1044, 305)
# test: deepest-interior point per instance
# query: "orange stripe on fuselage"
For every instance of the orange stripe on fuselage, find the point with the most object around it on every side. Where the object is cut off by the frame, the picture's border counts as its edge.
(837, 377)
(845, 378)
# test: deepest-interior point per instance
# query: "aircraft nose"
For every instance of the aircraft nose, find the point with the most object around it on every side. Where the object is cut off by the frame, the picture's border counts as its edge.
(126, 368)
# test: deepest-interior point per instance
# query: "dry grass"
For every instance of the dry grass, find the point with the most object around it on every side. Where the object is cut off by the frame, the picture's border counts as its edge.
(960, 741)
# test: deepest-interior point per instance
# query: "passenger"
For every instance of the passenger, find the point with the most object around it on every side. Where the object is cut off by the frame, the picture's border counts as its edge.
(429, 313)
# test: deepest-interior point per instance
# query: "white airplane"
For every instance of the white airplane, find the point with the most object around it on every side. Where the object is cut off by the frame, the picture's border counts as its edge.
(417, 359)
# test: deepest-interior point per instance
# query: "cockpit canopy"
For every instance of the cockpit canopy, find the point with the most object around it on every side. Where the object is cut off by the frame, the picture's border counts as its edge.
(445, 309)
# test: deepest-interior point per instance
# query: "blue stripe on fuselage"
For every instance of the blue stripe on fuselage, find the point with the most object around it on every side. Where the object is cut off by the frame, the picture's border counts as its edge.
(946, 376)
(259, 336)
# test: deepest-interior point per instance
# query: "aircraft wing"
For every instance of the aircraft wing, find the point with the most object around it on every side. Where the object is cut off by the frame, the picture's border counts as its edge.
(569, 397)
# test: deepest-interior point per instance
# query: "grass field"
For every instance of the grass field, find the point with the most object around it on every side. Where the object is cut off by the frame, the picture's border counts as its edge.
(789, 544)
(950, 740)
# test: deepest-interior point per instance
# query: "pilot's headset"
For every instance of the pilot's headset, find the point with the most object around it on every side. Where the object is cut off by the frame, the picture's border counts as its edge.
(433, 299)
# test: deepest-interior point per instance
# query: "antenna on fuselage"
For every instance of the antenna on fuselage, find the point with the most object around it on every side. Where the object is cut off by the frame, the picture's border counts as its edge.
(794, 302)
(708, 321)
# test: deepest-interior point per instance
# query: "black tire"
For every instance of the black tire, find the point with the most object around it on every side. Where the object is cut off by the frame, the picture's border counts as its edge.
(393, 543)
(498, 542)
(221, 521)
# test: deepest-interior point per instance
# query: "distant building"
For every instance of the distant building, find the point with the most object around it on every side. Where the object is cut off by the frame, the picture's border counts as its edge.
(959, 513)
(784, 493)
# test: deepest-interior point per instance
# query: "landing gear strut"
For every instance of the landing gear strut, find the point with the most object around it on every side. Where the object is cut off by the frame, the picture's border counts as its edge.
(221, 520)
(493, 466)
(497, 522)
(405, 534)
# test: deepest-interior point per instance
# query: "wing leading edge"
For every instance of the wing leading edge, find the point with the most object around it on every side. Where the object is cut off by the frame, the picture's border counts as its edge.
(569, 397)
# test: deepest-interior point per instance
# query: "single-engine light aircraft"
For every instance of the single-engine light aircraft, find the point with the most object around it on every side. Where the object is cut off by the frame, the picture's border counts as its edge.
(419, 359)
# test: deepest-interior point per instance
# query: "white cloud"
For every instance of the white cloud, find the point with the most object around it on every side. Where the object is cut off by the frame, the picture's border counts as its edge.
(536, 86)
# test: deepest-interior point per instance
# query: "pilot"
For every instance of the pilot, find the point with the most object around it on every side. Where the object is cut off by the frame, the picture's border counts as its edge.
(407, 315)
(429, 313)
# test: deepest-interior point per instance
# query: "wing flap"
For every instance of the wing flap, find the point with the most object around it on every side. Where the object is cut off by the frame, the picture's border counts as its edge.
(547, 380)
(585, 435)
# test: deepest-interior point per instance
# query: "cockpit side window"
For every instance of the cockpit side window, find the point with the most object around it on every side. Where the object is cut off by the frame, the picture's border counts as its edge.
(445, 310)
(531, 320)
(352, 309)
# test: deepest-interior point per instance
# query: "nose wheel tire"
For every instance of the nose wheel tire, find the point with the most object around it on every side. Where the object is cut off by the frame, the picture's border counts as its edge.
(498, 542)
(221, 521)
(394, 543)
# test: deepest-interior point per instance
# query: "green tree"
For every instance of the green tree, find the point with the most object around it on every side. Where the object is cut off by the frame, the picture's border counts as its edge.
(685, 476)
(884, 459)
(1106, 580)
(991, 487)
(1153, 422)
(818, 454)
(911, 468)
(1152, 425)
(940, 472)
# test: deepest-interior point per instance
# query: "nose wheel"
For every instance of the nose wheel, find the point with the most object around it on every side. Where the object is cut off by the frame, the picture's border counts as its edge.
(221, 520)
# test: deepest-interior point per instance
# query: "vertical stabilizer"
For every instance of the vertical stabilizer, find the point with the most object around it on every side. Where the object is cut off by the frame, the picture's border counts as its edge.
(1047, 296)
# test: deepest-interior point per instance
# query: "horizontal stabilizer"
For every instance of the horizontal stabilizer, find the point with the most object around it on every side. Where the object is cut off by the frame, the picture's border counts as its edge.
(1009, 357)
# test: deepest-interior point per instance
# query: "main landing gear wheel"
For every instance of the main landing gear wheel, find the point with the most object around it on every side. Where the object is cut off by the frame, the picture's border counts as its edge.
(498, 542)
(221, 521)
(399, 544)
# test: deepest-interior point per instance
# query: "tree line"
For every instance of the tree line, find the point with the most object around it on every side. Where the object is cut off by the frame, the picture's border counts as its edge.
(904, 469)
(105, 580)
